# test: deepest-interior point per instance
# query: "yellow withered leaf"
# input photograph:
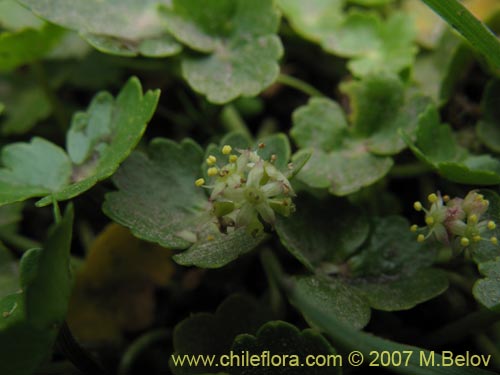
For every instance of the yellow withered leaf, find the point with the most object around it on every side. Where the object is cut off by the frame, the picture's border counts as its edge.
(114, 289)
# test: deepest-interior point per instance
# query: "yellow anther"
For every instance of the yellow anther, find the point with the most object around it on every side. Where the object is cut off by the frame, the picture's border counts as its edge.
(494, 240)
(414, 227)
(491, 225)
(486, 202)
(446, 198)
(473, 219)
(210, 237)
(226, 150)
(200, 182)
(211, 160)
(433, 198)
(420, 238)
(429, 220)
(417, 206)
(233, 158)
(212, 171)
(476, 238)
(464, 241)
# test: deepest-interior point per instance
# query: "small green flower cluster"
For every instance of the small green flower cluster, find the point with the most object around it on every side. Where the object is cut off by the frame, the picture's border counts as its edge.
(247, 187)
(456, 220)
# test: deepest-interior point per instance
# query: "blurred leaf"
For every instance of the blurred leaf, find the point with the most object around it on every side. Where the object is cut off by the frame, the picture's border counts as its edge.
(487, 129)
(114, 289)
(41, 168)
(15, 17)
(282, 338)
(27, 45)
(314, 18)
(31, 318)
(9, 272)
(372, 44)
(25, 104)
(438, 72)
(436, 146)
(429, 26)
(213, 334)
(118, 27)
(228, 34)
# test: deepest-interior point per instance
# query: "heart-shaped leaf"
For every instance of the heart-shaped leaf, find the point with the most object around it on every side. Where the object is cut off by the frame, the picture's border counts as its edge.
(284, 339)
(126, 28)
(213, 334)
(98, 141)
(228, 33)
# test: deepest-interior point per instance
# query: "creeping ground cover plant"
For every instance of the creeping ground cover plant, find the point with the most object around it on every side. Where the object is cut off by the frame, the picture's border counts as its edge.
(240, 187)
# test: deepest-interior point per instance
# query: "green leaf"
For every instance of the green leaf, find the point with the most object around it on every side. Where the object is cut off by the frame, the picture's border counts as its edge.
(315, 18)
(229, 34)
(25, 105)
(126, 28)
(157, 198)
(27, 45)
(380, 107)
(32, 169)
(346, 158)
(436, 146)
(487, 290)
(321, 232)
(9, 272)
(31, 318)
(219, 249)
(348, 338)
(374, 45)
(392, 250)
(97, 141)
(487, 128)
(335, 297)
(388, 271)
(485, 251)
(282, 338)
(403, 293)
(213, 334)
(437, 72)
(15, 17)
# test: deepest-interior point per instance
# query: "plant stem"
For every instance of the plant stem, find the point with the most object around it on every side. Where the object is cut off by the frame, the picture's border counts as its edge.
(57, 106)
(485, 344)
(299, 85)
(460, 328)
(138, 346)
(57, 211)
(80, 357)
(232, 121)
(408, 170)
(269, 261)
(479, 36)
(18, 241)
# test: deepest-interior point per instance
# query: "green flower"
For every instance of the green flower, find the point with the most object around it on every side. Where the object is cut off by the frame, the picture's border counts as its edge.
(247, 190)
(455, 221)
